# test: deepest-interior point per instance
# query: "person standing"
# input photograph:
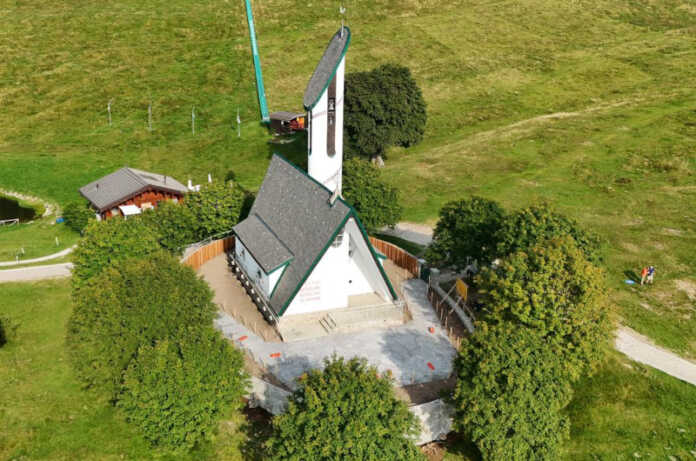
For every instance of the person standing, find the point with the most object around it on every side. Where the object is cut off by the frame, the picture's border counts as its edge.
(651, 274)
(643, 275)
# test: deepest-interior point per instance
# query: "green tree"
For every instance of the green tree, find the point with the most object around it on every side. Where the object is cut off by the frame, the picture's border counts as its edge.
(376, 202)
(8, 329)
(177, 390)
(345, 412)
(383, 107)
(555, 291)
(466, 229)
(530, 226)
(131, 304)
(77, 215)
(216, 208)
(174, 224)
(509, 394)
(109, 241)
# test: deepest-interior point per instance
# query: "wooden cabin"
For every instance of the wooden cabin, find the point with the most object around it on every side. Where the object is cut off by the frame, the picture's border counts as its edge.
(128, 192)
(288, 122)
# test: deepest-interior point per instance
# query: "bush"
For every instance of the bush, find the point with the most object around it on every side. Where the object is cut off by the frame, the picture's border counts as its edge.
(8, 329)
(376, 202)
(134, 303)
(530, 226)
(553, 290)
(174, 224)
(466, 229)
(77, 215)
(110, 241)
(216, 208)
(383, 107)
(509, 394)
(177, 390)
(345, 412)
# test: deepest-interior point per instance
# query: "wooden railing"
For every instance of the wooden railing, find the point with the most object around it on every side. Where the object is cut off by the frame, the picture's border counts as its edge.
(398, 256)
(207, 252)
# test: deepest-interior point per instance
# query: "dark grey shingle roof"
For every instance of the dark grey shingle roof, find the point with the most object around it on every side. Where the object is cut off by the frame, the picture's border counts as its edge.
(326, 68)
(297, 210)
(263, 244)
(285, 115)
(122, 184)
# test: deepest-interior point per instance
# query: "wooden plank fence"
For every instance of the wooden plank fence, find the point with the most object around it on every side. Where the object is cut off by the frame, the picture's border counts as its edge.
(398, 256)
(208, 252)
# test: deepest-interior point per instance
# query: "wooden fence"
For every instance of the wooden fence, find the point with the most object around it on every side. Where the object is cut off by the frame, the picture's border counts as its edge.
(207, 252)
(398, 256)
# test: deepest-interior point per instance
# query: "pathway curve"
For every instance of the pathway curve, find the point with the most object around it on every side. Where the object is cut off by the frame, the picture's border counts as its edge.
(30, 274)
(640, 349)
(60, 254)
(422, 234)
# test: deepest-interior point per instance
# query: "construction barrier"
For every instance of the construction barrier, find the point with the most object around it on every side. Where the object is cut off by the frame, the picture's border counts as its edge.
(398, 256)
(207, 252)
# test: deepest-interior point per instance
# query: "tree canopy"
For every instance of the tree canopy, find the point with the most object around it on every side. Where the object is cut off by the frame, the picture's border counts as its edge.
(176, 390)
(174, 224)
(552, 289)
(344, 412)
(509, 394)
(216, 208)
(77, 215)
(383, 107)
(376, 202)
(133, 303)
(110, 241)
(527, 227)
(466, 229)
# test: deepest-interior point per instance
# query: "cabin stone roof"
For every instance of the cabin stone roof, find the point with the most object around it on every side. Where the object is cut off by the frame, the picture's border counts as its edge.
(295, 210)
(285, 115)
(123, 184)
(326, 69)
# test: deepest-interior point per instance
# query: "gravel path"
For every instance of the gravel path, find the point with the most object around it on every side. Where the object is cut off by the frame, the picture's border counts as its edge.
(29, 274)
(60, 254)
(422, 234)
(640, 349)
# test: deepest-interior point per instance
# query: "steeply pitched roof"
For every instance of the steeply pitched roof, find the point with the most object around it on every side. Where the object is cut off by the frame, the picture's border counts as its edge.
(296, 209)
(326, 69)
(262, 242)
(123, 184)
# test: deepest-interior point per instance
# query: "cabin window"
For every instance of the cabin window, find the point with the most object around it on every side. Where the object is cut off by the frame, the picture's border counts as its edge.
(331, 120)
(332, 104)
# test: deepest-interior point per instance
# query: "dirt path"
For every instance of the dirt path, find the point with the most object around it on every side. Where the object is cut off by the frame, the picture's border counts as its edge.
(422, 234)
(30, 274)
(641, 349)
(60, 254)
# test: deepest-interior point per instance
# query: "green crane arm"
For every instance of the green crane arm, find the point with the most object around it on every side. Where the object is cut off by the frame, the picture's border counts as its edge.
(257, 64)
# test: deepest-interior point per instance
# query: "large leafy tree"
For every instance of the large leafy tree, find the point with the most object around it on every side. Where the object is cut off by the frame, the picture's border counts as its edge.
(129, 305)
(466, 229)
(177, 390)
(216, 208)
(376, 202)
(345, 412)
(509, 394)
(110, 241)
(383, 107)
(174, 224)
(536, 224)
(77, 215)
(555, 291)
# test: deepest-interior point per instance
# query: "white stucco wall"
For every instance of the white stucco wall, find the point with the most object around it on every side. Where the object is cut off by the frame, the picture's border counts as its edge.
(265, 282)
(339, 274)
(320, 166)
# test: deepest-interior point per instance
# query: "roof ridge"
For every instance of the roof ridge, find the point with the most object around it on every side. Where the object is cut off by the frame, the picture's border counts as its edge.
(135, 175)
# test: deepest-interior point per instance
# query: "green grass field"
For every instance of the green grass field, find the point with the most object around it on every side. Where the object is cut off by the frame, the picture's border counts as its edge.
(37, 238)
(588, 105)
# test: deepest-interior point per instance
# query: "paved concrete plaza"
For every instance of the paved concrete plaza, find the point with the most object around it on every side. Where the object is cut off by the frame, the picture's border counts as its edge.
(411, 352)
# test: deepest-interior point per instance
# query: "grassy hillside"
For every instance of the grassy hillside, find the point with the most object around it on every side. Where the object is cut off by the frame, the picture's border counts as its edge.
(588, 105)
